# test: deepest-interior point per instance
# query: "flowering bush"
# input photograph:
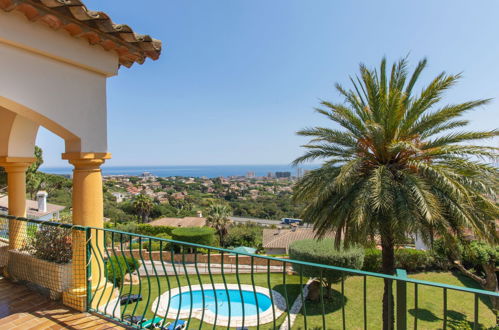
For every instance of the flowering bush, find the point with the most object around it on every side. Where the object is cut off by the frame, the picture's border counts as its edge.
(51, 243)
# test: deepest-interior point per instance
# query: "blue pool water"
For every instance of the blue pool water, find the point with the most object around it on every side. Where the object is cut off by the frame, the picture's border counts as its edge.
(234, 296)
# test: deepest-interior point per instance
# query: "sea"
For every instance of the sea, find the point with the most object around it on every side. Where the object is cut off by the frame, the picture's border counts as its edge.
(209, 171)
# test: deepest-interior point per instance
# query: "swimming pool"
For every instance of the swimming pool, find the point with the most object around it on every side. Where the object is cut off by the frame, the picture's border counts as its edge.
(223, 302)
(222, 305)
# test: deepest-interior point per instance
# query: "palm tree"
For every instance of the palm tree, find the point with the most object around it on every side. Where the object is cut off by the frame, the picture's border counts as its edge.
(142, 205)
(396, 167)
(219, 219)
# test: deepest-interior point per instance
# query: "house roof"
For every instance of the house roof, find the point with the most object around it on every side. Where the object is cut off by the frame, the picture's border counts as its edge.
(282, 238)
(94, 26)
(180, 222)
(31, 207)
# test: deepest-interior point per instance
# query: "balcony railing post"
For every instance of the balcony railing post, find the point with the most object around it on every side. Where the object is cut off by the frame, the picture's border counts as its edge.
(401, 300)
(88, 267)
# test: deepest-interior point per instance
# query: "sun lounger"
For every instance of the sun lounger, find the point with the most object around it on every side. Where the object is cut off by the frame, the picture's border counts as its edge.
(180, 324)
(153, 323)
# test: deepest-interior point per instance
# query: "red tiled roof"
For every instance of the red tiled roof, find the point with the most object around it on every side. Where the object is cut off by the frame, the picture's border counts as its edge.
(282, 238)
(94, 26)
(180, 222)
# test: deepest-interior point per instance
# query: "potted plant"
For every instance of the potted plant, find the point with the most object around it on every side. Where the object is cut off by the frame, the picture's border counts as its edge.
(45, 260)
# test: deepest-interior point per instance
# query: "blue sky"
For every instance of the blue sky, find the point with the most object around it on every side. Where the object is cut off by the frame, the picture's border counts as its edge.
(238, 78)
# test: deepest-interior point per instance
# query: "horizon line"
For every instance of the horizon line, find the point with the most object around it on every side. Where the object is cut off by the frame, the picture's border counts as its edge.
(157, 165)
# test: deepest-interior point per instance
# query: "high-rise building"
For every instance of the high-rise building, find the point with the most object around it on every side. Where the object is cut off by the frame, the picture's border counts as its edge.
(299, 172)
(282, 174)
(250, 175)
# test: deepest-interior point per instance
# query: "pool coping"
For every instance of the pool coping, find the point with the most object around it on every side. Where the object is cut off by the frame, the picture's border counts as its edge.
(209, 317)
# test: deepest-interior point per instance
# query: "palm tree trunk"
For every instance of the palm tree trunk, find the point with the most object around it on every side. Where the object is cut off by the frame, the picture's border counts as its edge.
(388, 267)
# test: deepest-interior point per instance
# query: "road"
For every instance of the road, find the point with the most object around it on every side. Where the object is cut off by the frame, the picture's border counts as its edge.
(254, 220)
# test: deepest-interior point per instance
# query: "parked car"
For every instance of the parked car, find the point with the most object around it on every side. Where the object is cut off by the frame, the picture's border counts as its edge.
(289, 221)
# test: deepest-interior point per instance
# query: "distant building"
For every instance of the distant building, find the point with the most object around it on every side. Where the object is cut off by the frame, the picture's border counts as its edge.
(119, 196)
(250, 175)
(282, 175)
(299, 172)
(270, 175)
(147, 175)
(39, 209)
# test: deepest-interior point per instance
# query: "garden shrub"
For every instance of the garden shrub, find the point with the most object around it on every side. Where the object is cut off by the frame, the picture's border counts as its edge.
(164, 235)
(324, 252)
(244, 235)
(148, 230)
(409, 259)
(413, 260)
(51, 243)
(197, 235)
(118, 266)
(372, 260)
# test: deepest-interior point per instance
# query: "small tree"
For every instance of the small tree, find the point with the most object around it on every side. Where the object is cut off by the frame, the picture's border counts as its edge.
(476, 260)
(324, 252)
(143, 205)
(218, 219)
(118, 266)
(250, 235)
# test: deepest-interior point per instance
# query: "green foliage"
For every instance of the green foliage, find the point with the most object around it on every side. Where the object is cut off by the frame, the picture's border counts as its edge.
(472, 255)
(171, 211)
(197, 235)
(324, 252)
(249, 235)
(409, 259)
(479, 253)
(142, 205)
(413, 260)
(129, 227)
(134, 179)
(396, 165)
(219, 219)
(148, 230)
(151, 246)
(164, 235)
(372, 260)
(268, 207)
(118, 266)
(51, 243)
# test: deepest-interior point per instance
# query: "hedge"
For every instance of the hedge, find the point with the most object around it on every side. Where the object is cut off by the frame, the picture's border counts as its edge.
(324, 252)
(372, 260)
(116, 268)
(409, 259)
(413, 260)
(148, 230)
(197, 235)
(153, 245)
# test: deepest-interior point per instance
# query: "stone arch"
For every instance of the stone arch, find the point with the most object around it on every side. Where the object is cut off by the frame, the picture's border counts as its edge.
(19, 127)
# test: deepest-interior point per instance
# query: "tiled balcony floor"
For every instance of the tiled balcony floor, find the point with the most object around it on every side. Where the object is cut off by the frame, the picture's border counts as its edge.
(21, 308)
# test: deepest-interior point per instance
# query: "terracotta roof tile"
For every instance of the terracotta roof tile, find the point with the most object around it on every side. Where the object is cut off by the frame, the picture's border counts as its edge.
(94, 26)
(31, 207)
(180, 222)
(282, 238)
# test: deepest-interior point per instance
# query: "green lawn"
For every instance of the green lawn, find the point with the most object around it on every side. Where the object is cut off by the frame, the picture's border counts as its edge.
(429, 316)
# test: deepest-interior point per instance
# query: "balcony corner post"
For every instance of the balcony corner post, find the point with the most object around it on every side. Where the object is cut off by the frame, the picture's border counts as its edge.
(401, 300)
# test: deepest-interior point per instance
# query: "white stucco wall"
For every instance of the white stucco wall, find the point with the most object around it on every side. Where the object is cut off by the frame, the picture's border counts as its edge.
(52, 79)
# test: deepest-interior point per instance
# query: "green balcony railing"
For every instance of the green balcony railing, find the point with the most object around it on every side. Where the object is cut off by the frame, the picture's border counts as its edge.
(150, 282)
